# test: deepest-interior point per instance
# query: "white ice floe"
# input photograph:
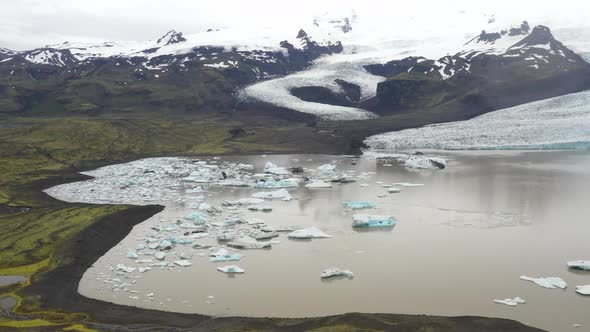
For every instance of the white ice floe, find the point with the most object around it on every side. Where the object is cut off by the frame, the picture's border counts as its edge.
(327, 168)
(549, 282)
(248, 243)
(280, 194)
(584, 290)
(183, 263)
(318, 184)
(230, 269)
(511, 302)
(308, 233)
(579, 265)
(336, 272)
(274, 169)
(557, 123)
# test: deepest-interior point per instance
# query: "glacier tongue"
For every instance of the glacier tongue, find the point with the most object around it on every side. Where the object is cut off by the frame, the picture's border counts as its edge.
(556, 123)
(278, 91)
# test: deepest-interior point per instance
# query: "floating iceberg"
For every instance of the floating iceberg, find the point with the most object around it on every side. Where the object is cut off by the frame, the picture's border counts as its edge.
(197, 217)
(319, 184)
(357, 205)
(394, 190)
(262, 235)
(271, 168)
(281, 193)
(160, 255)
(549, 282)
(511, 302)
(579, 265)
(308, 233)
(180, 240)
(274, 184)
(249, 201)
(183, 263)
(132, 254)
(223, 255)
(557, 123)
(230, 269)
(248, 243)
(425, 162)
(336, 272)
(584, 290)
(369, 220)
(327, 168)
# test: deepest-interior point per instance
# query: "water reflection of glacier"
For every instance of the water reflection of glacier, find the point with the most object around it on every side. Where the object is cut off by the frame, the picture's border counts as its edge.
(557, 123)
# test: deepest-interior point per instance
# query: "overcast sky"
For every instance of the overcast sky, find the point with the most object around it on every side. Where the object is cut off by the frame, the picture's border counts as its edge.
(26, 24)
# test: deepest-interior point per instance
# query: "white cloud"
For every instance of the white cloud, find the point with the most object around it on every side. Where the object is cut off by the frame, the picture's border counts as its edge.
(32, 23)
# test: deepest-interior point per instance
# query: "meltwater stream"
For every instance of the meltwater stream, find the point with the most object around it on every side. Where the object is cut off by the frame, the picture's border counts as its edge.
(462, 239)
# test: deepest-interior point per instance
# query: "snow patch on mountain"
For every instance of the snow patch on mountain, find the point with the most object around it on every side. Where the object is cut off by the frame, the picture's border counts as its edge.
(557, 123)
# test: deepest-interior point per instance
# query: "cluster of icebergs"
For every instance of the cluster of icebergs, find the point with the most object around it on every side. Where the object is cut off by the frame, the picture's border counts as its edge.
(552, 283)
(192, 227)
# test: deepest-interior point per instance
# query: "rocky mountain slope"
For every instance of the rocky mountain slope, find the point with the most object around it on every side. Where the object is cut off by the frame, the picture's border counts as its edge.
(169, 74)
(494, 71)
(183, 75)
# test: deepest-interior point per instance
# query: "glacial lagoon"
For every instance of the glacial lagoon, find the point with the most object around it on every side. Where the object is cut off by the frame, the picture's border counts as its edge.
(461, 240)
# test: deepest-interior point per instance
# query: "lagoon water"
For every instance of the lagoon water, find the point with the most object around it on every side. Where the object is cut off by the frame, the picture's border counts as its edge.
(461, 241)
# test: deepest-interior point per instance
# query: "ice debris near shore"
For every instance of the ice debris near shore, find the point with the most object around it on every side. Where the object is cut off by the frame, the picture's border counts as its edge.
(369, 220)
(336, 272)
(579, 265)
(511, 302)
(192, 227)
(549, 282)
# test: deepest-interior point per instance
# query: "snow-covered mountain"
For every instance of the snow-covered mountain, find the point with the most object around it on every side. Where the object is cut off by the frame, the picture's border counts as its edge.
(332, 69)
(486, 72)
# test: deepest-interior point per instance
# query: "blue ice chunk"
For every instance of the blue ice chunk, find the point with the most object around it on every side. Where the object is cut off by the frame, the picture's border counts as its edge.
(225, 258)
(180, 240)
(197, 217)
(357, 205)
(132, 254)
(368, 220)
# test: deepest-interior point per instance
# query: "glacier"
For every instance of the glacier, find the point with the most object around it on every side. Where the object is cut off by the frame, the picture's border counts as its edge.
(557, 123)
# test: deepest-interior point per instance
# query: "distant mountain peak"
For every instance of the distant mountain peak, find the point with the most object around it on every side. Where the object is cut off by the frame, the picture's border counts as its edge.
(541, 35)
(301, 34)
(171, 37)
